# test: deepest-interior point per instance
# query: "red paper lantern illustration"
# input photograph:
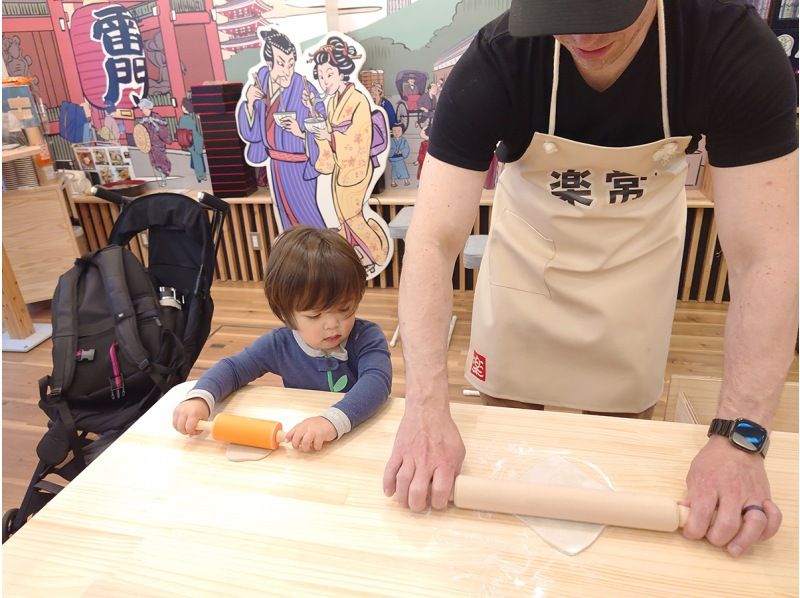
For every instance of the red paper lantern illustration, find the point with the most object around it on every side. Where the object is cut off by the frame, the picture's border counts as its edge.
(109, 52)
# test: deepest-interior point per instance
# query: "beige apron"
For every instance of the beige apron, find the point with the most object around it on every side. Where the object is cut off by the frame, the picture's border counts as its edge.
(576, 295)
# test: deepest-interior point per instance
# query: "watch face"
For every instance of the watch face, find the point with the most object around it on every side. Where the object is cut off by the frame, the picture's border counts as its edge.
(748, 435)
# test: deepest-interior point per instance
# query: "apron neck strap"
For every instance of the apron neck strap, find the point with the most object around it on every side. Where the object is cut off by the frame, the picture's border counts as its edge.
(662, 67)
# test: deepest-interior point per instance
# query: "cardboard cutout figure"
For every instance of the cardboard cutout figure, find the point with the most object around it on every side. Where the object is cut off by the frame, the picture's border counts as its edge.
(353, 147)
(271, 118)
(323, 141)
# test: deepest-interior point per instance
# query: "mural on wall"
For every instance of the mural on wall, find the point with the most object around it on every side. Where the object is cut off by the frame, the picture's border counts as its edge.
(190, 138)
(127, 51)
(307, 119)
(412, 52)
(151, 135)
(109, 54)
(17, 63)
(410, 45)
(109, 70)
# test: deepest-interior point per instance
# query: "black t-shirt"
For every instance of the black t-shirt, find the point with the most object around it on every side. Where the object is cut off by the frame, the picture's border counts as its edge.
(727, 78)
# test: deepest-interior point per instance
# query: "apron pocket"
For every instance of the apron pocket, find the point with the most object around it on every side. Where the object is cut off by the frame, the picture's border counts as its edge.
(518, 255)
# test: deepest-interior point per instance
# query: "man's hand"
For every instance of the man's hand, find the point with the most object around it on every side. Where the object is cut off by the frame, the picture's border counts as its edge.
(427, 456)
(308, 99)
(722, 480)
(252, 95)
(290, 124)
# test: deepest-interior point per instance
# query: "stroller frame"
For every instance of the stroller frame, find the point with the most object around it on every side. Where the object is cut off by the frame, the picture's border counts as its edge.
(81, 445)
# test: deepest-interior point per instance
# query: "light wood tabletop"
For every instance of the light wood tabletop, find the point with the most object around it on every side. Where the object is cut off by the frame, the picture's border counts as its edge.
(159, 514)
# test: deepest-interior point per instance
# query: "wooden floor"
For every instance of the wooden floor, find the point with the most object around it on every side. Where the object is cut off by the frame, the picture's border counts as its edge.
(242, 315)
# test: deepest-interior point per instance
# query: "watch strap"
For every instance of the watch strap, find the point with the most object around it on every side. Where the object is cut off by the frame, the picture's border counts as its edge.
(722, 427)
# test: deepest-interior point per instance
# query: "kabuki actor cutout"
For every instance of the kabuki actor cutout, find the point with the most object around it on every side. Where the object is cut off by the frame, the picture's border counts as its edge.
(307, 118)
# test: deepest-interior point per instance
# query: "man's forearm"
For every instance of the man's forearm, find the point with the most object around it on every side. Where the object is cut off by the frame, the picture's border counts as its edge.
(756, 213)
(760, 336)
(445, 211)
(425, 307)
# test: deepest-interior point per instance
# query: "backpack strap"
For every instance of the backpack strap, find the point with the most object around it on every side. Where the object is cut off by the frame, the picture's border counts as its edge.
(65, 328)
(109, 261)
(65, 345)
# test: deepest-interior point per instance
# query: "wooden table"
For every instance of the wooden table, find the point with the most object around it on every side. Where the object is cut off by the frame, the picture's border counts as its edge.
(162, 515)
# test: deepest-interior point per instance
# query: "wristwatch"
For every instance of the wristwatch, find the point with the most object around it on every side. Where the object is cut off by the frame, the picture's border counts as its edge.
(744, 434)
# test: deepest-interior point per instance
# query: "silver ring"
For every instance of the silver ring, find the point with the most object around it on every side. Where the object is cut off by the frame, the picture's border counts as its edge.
(753, 508)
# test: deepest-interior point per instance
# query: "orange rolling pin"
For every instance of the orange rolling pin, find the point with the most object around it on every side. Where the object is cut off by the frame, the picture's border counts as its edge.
(249, 431)
(609, 507)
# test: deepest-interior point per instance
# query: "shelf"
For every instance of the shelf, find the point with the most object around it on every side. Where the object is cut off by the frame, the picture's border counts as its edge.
(20, 152)
(54, 185)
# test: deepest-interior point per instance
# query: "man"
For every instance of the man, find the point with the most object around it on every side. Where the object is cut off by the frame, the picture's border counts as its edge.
(277, 89)
(410, 87)
(576, 294)
(376, 91)
(427, 105)
(398, 152)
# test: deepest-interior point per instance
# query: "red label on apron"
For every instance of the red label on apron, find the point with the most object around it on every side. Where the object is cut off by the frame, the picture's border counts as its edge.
(478, 368)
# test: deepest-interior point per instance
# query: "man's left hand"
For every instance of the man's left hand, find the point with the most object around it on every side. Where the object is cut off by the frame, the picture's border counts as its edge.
(291, 125)
(722, 481)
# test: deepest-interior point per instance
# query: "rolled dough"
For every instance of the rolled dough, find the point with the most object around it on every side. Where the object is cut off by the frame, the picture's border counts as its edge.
(238, 452)
(569, 537)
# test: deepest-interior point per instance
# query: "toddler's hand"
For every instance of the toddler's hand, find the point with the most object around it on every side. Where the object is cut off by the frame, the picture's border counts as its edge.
(310, 434)
(187, 414)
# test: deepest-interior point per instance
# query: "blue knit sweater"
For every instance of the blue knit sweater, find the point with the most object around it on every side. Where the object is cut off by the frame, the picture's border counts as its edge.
(364, 373)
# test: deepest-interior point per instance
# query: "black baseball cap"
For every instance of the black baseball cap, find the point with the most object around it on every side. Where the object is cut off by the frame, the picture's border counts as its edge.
(531, 18)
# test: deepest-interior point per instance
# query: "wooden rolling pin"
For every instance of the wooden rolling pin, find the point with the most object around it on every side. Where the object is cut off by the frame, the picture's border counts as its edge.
(624, 509)
(608, 507)
(249, 431)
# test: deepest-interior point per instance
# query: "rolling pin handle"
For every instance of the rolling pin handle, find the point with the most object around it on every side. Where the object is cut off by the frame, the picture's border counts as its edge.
(683, 515)
(205, 425)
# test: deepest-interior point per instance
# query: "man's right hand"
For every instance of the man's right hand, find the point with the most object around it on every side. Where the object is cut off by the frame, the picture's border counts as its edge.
(252, 96)
(308, 99)
(426, 458)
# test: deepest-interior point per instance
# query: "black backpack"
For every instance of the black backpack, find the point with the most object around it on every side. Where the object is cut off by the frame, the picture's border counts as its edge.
(115, 347)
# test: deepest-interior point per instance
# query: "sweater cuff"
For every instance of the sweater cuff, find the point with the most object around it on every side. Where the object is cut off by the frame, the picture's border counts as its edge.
(339, 420)
(197, 393)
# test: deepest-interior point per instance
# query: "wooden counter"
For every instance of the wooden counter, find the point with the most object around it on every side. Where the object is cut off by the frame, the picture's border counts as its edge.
(249, 232)
(162, 515)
